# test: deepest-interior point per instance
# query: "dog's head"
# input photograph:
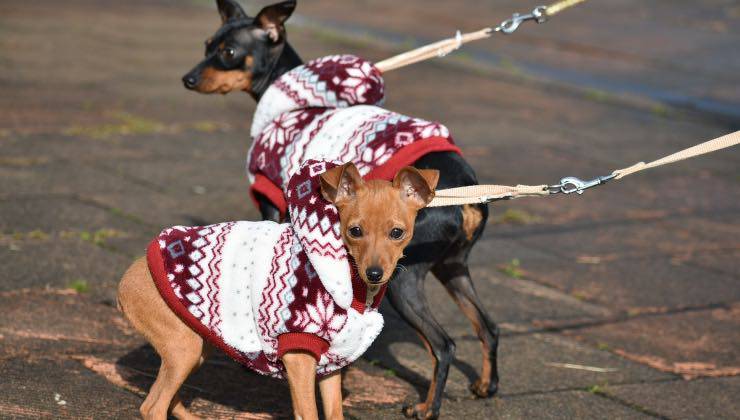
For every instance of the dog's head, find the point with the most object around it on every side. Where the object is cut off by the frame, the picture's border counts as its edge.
(377, 217)
(242, 54)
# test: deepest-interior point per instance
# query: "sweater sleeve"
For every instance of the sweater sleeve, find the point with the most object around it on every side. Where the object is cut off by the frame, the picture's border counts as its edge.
(312, 318)
(301, 341)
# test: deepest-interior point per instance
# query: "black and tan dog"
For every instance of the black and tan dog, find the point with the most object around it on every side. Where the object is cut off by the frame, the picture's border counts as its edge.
(248, 54)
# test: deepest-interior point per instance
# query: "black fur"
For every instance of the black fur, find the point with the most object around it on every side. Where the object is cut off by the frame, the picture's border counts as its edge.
(439, 245)
(245, 35)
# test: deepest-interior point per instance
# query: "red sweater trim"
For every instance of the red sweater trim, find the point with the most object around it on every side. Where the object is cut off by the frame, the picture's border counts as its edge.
(410, 154)
(156, 268)
(272, 192)
(302, 342)
(404, 157)
(359, 294)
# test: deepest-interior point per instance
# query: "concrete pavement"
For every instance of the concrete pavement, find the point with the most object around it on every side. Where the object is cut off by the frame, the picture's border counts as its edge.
(100, 147)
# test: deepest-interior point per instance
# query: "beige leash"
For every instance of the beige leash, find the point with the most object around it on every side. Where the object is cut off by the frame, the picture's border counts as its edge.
(442, 48)
(486, 193)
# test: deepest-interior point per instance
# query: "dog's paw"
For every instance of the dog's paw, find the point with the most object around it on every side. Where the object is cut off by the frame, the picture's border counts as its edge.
(483, 390)
(419, 411)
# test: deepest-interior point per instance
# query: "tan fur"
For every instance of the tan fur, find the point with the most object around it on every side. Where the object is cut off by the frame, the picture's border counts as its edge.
(182, 350)
(472, 217)
(422, 407)
(480, 386)
(217, 81)
(377, 205)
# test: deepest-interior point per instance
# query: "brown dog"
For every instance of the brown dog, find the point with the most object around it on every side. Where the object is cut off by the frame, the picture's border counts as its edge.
(377, 222)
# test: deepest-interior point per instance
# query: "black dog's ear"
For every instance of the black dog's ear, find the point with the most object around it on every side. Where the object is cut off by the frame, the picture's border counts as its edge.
(230, 9)
(272, 19)
(341, 183)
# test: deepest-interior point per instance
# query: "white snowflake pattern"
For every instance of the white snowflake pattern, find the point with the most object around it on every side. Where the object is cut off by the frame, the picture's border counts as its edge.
(426, 129)
(358, 81)
(280, 131)
(321, 318)
(375, 157)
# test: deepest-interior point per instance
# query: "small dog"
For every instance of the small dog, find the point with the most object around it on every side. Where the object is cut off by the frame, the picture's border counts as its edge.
(376, 223)
(249, 54)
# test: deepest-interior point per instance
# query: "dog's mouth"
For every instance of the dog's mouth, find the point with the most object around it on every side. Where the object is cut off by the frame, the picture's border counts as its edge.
(210, 81)
(208, 86)
(375, 284)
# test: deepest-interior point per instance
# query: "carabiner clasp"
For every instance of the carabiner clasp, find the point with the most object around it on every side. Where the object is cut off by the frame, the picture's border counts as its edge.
(572, 184)
(539, 15)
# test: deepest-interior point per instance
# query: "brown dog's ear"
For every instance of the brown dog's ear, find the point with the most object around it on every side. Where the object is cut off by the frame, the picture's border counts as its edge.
(272, 19)
(230, 9)
(340, 183)
(416, 185)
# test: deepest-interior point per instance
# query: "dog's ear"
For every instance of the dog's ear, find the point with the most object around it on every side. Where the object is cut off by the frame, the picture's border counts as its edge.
(230, 9)
(416, 185)
(341, 183)
(272, 19)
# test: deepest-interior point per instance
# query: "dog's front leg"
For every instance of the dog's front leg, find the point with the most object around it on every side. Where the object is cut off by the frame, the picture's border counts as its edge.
(331, 395)
(301, 370)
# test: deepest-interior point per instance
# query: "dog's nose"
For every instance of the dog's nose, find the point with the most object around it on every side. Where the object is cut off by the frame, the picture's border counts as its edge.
(374, 274)
(190, 81)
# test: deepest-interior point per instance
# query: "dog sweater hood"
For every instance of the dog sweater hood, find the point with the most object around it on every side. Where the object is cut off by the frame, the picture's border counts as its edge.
(258, 289)
(328, 109)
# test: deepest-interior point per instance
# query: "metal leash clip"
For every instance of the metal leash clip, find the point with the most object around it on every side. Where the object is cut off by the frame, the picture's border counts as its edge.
(539, 15)
(572, 184)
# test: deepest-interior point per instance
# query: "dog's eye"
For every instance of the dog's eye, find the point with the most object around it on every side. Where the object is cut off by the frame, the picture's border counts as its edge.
(396, 233)
(229, 53)
(355, 232)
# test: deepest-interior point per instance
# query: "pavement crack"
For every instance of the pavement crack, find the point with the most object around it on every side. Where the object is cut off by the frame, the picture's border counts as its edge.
(605, 394)
(113, 210)
(625, 317)
(128, 177)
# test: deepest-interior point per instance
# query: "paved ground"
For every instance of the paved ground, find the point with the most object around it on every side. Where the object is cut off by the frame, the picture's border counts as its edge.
(100, 147)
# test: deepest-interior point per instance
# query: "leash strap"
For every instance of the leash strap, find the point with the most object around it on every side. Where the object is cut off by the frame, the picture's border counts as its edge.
(479, 194)
(559, 6)
(700, 149)
(540, 14)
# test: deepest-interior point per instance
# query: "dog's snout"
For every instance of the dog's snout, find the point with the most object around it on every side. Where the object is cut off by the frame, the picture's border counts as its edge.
(374, 274)
(190, 81)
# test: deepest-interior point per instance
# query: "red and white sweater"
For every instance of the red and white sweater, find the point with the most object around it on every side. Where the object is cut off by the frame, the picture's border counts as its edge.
(327, 109)
(259, 289)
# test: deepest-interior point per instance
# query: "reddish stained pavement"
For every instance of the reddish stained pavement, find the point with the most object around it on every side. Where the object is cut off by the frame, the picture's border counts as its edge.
(100, 147)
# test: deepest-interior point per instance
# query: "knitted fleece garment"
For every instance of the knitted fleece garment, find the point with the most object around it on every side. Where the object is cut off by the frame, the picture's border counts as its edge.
(259, 289)
(327, 109)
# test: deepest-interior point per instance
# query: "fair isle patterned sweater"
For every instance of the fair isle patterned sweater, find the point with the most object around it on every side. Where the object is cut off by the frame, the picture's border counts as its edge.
(259, 289)
(327, 109)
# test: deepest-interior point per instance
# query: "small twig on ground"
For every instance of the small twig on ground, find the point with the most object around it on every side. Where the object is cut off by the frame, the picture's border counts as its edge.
(581, 367)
